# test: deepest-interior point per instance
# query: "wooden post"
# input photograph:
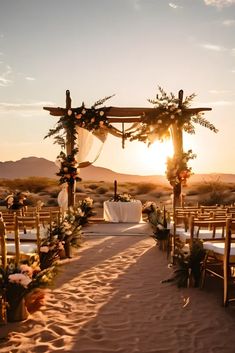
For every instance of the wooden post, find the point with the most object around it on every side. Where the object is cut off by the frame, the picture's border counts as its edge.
(70, 142)
(177, 139)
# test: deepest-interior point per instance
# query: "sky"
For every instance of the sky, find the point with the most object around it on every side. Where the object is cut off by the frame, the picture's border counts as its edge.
(123, 47)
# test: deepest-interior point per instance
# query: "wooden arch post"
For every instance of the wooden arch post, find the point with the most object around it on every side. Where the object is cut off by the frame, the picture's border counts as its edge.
(177, 140)
(70, 144)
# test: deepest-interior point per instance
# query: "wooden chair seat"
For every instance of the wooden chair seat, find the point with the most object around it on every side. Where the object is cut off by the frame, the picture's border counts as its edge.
(220, 260)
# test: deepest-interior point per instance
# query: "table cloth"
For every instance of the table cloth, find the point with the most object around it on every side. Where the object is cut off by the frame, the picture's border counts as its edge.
(123, 211)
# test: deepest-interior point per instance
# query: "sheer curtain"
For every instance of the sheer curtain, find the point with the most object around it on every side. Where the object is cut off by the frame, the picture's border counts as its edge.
(85, 140)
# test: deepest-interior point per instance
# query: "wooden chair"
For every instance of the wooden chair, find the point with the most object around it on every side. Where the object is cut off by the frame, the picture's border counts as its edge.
(220, 259)
(204, 228)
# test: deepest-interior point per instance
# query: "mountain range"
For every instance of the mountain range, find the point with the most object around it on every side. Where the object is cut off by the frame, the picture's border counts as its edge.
(41, 167)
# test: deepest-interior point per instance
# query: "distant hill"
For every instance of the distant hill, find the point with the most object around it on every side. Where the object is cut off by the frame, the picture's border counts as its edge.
(41, 167)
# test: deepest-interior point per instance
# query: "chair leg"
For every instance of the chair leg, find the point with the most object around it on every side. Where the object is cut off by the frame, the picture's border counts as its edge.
(203, 272)
(226, 276)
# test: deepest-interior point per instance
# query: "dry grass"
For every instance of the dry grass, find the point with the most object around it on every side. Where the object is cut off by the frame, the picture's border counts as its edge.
(46, 190)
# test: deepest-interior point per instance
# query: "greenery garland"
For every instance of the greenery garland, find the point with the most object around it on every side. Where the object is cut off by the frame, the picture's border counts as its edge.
(68, 168)
(155, 125)
(178, 170)
(91, 119)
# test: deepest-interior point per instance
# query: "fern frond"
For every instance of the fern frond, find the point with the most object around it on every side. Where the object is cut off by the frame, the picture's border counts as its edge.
(199, 119)
(102, 101)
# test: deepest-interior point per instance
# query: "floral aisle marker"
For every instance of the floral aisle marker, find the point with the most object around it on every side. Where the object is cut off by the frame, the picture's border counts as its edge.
(21, 287)
(60, 238)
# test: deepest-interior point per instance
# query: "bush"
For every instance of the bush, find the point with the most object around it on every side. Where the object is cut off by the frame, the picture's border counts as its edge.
(144, 188)
(92, 186)
(102, 190)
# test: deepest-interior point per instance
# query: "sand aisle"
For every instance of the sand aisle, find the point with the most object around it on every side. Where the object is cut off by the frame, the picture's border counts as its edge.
(110, 299)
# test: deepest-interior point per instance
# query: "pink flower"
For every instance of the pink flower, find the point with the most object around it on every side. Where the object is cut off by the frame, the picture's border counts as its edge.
(19, 278)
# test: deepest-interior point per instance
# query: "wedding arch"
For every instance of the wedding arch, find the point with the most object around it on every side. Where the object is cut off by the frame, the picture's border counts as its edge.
(169, 117)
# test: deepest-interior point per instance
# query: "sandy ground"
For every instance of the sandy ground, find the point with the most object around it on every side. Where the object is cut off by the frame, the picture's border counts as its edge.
(109, 298)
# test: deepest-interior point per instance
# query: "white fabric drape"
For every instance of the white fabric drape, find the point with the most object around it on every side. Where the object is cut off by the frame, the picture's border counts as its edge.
(85, 141)
(63, 197)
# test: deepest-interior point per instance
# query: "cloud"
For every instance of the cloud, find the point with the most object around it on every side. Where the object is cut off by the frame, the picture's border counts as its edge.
(5, 77)
(221, 91)
(29, 78)
(173, 6)
(24, 107)
(219, 3)
(213, 47)
(221, 103)
(136, 4)
(228, 23)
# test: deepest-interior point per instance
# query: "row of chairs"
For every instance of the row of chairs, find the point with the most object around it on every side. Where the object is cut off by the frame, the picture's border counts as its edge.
(21, 235)
(215, 227)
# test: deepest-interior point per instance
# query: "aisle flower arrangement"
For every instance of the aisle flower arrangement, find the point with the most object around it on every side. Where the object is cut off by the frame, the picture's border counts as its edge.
(159, 219)
(19, 285)
(61, 237)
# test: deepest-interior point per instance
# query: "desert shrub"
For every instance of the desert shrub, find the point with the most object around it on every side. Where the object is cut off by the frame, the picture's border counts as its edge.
(144, 188)
(32, 184)
(102, 190)
(157, 194)
(192, 192)
(213, 198)
(92, 186)
(52, 202)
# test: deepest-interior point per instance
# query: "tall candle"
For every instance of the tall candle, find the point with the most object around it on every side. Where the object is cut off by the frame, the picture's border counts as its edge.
(115, 190)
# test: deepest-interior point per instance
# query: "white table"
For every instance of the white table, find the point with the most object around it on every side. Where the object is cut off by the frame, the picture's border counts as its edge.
(123, 211)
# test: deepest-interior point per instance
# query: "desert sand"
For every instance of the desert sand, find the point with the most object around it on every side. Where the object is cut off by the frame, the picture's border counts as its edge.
(109, 298)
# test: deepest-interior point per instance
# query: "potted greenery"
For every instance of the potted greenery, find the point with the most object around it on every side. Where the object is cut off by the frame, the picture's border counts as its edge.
(158, 218)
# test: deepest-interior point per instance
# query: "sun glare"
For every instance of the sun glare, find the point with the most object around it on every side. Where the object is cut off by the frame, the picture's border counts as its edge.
(153, 158)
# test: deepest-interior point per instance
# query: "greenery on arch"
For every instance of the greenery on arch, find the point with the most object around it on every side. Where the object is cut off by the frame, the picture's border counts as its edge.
(156, 124)
(94, 118)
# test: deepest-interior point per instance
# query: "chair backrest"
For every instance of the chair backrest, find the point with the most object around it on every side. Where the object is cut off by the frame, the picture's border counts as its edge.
(5, 227)
(210, 224)
(28, 224)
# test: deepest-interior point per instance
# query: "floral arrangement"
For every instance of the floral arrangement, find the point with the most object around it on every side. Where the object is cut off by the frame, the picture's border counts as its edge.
(177, 168)
(68, 167)
(83, 211)
(123, 198)
(188, 265)
(19, 283)
(158, 217)
(91, 119)
(155, 125)
(68, 233)
(51, 250)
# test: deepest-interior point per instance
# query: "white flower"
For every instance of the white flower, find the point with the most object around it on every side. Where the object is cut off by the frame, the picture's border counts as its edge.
(70, 112)
(83, 111)
(159, 121)
(19, 278)
(172, 117)
(101, 113)
(27, 270)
